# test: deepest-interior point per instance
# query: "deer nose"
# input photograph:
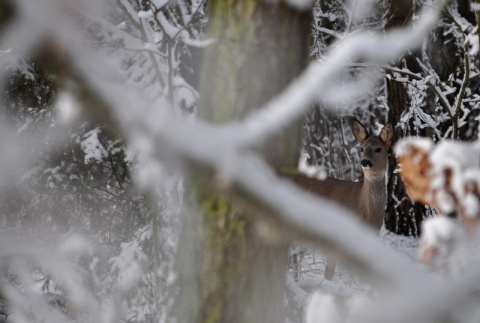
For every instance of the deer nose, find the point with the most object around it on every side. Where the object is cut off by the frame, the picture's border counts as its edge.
(366, 163)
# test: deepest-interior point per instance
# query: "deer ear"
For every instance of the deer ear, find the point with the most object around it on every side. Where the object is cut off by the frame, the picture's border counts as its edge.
(359, 131)
(387, 133)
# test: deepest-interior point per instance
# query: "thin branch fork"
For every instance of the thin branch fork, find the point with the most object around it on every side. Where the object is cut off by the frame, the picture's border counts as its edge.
(461, 94)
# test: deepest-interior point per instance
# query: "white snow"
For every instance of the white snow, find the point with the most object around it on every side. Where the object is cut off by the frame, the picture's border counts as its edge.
(324, 308)
(301, 4)
(310, 170)
(160, 3)
(150, 47)
(167, 27)
(92, 146)
(473, 40)
(448, 153)
(471, 205)
(454, 171)
(199, 43)
(436, 230)
(446, 202)
(67, 107)
(462, 160)
(75, 245)
(331, 308)
(145, 14)
(404, 146)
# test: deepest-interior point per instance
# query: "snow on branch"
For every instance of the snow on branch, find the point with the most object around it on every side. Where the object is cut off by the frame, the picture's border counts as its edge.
(221, 149)
(321, 220)
(162, 131)
(446, 176)
(20, 254)
(316, 81)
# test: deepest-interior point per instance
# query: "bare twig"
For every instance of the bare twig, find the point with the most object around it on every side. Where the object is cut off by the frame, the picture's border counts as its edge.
(461, 94)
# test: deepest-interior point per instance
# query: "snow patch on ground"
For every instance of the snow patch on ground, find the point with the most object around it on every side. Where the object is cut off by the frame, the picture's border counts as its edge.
(407, 247)
(345, 295)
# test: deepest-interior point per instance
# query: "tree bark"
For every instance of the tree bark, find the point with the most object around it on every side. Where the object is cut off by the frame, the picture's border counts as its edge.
(402, 216)
(262, 46)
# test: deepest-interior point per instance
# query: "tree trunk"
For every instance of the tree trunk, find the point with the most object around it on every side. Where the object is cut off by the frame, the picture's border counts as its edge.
(402, 216)
(261, 47)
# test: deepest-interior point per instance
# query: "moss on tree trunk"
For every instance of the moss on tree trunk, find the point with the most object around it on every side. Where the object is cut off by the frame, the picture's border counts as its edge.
(261, 47)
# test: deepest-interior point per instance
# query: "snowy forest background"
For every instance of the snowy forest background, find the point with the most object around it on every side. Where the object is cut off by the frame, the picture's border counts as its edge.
(142, 143)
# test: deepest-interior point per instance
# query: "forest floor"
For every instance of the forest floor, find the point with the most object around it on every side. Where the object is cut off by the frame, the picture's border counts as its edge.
(310, 274)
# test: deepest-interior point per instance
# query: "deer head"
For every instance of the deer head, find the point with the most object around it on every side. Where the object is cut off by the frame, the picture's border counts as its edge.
(373, 149)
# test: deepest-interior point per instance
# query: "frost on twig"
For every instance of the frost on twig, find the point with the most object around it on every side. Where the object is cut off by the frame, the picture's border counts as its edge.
(447, 177)
(442, 244)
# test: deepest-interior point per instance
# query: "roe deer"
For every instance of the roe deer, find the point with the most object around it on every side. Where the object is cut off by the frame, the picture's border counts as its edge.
(367, 198)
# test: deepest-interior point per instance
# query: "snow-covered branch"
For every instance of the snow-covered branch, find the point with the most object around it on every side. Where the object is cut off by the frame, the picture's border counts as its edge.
(222, 148)
(316, 81)
(154, 130)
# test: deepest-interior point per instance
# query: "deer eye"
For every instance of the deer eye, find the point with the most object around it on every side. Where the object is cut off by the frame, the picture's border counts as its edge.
(377, 150)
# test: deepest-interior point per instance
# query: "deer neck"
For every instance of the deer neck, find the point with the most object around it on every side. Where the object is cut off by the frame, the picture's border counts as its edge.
(374, 184)
(374, 198)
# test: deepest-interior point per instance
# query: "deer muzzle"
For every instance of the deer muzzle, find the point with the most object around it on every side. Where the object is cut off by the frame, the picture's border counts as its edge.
(366, 163)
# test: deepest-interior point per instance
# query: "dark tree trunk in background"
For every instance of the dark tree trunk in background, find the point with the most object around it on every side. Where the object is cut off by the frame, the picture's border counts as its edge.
(444, 54)
(402, 216)
(262, 46)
